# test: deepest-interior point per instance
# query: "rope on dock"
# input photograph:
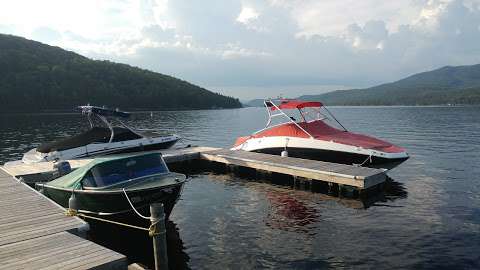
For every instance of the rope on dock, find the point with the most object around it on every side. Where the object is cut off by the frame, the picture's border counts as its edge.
(111, 221)
(151, 230)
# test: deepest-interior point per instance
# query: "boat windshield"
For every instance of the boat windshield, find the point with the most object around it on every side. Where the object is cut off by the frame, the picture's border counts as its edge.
(117, 171)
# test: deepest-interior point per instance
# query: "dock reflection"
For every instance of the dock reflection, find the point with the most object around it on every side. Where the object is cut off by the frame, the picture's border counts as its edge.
(137, 245)
(379, 195)
(291, 210)
(297, 209)
(389, 192)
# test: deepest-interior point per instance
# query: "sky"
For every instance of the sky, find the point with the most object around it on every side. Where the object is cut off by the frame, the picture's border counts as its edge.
(256, 49)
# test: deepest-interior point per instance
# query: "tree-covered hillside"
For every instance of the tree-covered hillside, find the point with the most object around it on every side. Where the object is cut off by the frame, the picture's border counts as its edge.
(447, 85)
(38, 77)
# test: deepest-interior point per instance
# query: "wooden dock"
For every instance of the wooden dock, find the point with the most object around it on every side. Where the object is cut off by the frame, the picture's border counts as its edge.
(358, 177)
(36, 170)
(35, 234)
(34, 231)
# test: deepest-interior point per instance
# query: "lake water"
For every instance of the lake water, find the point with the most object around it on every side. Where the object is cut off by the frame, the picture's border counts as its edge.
(226, 222)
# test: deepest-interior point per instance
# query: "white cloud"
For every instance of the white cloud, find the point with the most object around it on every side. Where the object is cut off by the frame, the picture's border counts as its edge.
(233, 51)
(371, 36)
(256, 43)
(330, 17)
(246, 15)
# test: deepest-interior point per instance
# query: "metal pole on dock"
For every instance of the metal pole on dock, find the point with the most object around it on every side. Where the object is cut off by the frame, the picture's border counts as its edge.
(159, 233)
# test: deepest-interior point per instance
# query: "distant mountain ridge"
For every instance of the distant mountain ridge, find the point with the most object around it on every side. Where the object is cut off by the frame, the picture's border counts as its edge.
(254, 103)
(38, 77)
(446, 85)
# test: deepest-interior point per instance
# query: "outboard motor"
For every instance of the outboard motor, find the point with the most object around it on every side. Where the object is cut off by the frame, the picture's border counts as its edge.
(61, 168)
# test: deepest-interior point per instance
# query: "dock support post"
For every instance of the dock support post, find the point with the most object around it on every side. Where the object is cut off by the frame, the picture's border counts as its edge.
(330, 187)
(341, 189)
(157, 218)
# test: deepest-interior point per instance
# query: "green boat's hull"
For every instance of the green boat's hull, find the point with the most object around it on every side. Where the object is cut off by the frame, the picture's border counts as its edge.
(114, 203)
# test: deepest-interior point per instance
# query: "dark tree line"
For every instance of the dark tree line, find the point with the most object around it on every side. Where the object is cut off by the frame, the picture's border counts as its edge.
(414, 96)
(447, 85)
(38, 77)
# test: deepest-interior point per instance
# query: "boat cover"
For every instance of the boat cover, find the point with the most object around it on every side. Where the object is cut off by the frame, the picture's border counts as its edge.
(322, 131)
(295, 104)
(95, 134)
(73, 179)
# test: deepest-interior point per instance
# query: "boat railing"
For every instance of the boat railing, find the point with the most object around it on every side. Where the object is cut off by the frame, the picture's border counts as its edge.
(280, 113)
(307, 114)
(131, 129)
(113, 115)
(110, 127)
(268, 127)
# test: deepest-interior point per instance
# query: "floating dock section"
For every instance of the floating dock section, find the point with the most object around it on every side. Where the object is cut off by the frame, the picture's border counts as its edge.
(34, 234)
(310, 170)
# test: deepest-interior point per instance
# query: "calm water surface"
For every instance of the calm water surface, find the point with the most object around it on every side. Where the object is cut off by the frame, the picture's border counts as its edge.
(225, 222)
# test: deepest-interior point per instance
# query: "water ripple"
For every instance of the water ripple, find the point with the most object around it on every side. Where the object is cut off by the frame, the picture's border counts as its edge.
(230, 223)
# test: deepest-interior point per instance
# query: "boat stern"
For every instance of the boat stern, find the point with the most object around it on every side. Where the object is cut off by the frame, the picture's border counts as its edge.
(33, 156)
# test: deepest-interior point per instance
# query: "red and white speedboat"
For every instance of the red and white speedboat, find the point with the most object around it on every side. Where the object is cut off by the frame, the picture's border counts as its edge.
(317, 135)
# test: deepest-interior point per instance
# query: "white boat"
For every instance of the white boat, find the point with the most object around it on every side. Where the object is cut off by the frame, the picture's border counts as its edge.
(317, 135)
(99, 140)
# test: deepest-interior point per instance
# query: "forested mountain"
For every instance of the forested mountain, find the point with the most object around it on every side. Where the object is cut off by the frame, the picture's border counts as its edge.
(38, 77)
(254, 103)
(447, 85)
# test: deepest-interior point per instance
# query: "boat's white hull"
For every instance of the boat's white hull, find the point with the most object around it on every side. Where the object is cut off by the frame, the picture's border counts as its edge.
(322, 150)
(97, 149)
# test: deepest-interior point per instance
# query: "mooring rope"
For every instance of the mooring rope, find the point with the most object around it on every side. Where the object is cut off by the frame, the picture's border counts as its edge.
(135, 210)
(363, 163)
(151, 229)
(113, 222)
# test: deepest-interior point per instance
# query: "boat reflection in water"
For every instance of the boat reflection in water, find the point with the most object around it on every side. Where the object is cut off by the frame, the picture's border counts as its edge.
(293, 210)
(297, 209)
(289, 213)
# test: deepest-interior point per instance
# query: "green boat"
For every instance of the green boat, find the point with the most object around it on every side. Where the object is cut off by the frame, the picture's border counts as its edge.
(102, 186)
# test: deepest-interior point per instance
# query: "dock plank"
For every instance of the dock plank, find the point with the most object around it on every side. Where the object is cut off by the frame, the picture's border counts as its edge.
(47, 252)
(13, 216)
(33, 233)
(310, 169)
(170, 155)
(360, 177)
(21, 235)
